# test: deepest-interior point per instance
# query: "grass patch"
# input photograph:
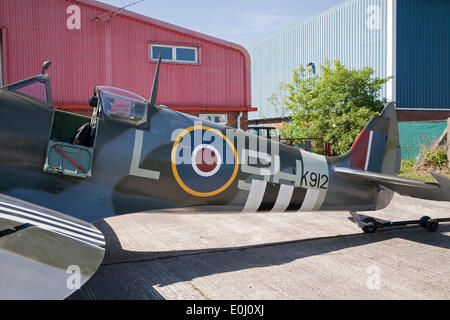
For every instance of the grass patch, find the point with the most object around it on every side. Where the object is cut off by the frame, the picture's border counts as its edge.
(410, 170)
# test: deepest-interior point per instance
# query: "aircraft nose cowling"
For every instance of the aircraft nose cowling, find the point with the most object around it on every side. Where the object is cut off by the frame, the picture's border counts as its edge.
(45, 254)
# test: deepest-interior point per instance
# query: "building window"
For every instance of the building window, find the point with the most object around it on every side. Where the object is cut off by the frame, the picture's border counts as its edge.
(217, 118)
(174, 53)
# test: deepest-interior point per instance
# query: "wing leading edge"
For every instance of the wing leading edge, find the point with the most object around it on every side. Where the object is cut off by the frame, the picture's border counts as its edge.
(44, 254)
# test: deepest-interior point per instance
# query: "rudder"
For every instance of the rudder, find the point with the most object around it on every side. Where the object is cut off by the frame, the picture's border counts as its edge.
(377, 147)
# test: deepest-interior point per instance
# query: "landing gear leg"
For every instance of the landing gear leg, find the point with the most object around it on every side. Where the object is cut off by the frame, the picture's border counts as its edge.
(370, 225)
(367, 224)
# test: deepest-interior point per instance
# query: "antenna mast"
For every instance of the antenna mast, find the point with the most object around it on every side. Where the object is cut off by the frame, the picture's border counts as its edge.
(106, 17)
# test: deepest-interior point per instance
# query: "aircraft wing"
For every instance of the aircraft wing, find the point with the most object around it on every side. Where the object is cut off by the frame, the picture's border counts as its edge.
(407, 187)
(44, 254)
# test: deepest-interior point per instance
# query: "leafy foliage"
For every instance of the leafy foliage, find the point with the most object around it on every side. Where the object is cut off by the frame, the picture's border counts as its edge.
(420, 170)
(333, 106)
(435, 158)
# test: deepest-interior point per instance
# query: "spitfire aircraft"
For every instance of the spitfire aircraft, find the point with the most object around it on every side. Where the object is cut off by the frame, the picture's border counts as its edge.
(134, 155)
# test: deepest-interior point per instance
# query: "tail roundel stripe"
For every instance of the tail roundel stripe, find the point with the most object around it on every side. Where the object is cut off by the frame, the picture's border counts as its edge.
(359, 150)
(367, 152)
(377, 151)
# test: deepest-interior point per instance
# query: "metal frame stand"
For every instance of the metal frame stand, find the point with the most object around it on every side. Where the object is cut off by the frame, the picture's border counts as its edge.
(371, 225)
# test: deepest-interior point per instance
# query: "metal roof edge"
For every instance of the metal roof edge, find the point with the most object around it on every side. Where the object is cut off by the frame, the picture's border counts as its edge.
(160, 23)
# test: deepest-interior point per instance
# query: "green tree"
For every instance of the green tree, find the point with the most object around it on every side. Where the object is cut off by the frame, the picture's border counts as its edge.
(334, 105)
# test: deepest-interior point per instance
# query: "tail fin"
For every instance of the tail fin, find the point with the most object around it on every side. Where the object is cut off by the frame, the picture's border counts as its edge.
(377, 148)
(377, 152)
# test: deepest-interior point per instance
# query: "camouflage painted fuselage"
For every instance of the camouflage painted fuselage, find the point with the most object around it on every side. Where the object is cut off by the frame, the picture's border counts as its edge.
(137, 169)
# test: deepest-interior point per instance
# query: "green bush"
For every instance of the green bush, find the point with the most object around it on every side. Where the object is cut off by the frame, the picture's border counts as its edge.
(407, 165)
(333, 105)
(436, 158)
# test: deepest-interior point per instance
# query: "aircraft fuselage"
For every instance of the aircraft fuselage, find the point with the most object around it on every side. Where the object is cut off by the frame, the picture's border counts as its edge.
(146, 169)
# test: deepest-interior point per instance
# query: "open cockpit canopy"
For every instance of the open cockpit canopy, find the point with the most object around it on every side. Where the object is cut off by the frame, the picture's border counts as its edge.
(121, 105)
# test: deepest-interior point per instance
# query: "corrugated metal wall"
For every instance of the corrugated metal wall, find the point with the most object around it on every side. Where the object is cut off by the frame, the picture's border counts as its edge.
(346, 32)
(423, 54)
(116, 53)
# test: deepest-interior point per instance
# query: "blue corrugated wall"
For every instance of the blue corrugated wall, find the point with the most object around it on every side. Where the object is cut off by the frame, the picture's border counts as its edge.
(343, 32)
(423, 54)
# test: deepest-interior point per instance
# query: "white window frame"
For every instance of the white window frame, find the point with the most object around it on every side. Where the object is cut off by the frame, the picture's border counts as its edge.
(174, 53)
(202, 115)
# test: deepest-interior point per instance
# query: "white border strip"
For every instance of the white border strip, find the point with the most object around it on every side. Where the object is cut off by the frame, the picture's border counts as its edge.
(369, 146)
(310, 201)
(25, 209)
(255, 196)
(50, 228)
(284, 198)
(44, 220)
(91, 244)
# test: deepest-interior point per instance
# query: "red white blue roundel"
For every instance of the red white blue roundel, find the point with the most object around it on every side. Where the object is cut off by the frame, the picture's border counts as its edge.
(204, 162)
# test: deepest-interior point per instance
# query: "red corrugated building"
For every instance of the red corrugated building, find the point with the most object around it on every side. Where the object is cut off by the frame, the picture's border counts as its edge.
(91, 43)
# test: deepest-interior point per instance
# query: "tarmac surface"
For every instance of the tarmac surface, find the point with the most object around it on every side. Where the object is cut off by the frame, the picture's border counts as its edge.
(304, 255)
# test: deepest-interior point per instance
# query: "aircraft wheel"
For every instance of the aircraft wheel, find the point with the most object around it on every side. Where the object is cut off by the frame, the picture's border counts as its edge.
(432, 225)
(371, 225)
(423, 221)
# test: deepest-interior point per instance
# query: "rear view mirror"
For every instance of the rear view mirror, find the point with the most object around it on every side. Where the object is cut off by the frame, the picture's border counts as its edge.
(45, 66)
(93, 101)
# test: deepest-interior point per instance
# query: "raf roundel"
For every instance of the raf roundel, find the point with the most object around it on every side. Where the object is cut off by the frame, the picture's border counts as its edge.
(204, 161)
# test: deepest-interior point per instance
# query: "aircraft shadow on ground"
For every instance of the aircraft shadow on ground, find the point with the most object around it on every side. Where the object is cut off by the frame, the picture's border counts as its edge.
(134, 275)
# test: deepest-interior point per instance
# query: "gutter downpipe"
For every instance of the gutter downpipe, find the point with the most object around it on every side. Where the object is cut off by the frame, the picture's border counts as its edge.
(238, 120)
